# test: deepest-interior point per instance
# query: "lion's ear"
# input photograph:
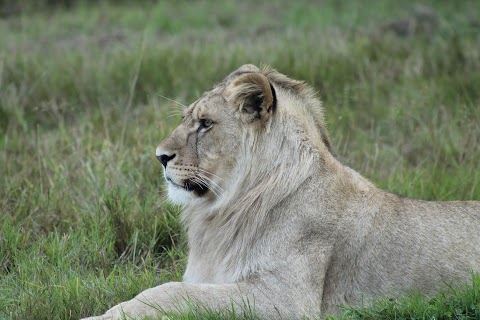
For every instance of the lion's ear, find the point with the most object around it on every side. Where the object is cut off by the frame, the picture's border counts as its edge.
(247, 68)
(253, 95)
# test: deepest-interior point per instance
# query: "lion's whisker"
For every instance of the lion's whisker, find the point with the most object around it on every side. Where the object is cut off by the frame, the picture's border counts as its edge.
(175, 101)
(199, 181)
(211, 184)
(212, 174)
(206, 178)
(212, 187)
(203, 182)
(174, 114)
(210, 181)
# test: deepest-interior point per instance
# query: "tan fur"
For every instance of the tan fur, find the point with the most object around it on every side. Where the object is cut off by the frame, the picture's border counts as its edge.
(285, 226)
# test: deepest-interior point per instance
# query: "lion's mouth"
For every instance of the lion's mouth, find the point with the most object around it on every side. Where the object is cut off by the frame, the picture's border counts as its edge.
(198, 189)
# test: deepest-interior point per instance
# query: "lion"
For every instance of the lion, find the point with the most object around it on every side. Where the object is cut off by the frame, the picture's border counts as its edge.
(276, 221)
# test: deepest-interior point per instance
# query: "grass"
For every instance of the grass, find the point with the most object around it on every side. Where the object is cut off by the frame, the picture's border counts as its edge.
(83, 221)
(453, 303)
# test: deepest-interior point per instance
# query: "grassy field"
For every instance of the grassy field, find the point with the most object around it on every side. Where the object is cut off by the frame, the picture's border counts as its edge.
(84, 223)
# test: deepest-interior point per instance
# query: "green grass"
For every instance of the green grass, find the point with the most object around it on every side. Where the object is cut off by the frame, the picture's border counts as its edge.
(83, 219)
(455, 302)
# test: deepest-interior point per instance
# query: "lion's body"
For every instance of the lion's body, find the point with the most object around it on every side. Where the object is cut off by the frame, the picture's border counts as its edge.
(282, 223)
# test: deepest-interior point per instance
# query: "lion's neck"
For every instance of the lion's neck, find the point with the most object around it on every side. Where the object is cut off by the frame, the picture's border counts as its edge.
(227, 238)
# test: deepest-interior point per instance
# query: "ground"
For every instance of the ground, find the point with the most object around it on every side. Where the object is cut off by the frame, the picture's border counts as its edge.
(84, 223)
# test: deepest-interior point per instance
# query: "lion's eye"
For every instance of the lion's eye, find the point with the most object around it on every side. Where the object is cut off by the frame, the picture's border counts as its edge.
(205, 124)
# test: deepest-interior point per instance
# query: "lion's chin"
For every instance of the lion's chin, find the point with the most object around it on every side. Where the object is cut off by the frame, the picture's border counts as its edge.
(182, 196)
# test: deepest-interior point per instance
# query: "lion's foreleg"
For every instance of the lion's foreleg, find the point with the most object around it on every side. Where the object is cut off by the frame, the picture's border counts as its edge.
(177, 297)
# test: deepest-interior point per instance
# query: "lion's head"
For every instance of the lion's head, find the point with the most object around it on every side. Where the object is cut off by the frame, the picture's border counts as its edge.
(246, 131)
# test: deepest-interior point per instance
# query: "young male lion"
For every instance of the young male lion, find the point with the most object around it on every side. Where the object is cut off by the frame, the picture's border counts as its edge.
(274, 221)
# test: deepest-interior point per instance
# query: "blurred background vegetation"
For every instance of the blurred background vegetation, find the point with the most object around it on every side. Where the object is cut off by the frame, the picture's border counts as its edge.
(83, 219)
(14, 7)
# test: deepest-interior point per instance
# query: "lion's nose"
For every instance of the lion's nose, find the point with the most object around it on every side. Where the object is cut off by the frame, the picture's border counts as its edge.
(164, 158)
